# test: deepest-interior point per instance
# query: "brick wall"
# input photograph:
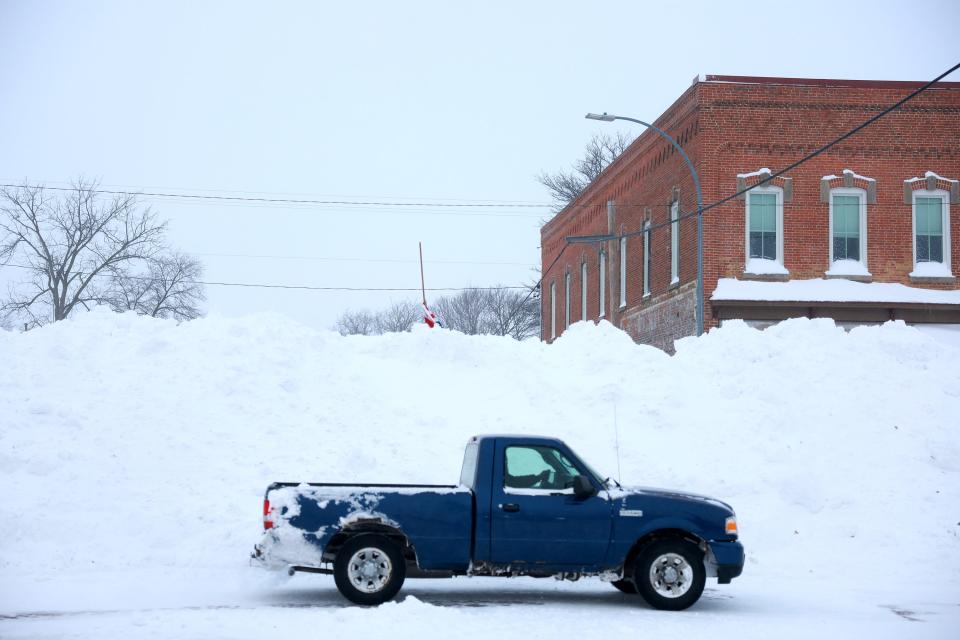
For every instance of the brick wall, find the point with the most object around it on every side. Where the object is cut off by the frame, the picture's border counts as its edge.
(731, 127)
(770, 125)
(660, 321)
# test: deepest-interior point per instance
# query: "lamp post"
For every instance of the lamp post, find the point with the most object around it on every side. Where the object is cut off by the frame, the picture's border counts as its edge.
(696, 181)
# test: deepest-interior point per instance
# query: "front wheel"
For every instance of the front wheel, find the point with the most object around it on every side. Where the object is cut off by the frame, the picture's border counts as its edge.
(369, 569)
(670, 575)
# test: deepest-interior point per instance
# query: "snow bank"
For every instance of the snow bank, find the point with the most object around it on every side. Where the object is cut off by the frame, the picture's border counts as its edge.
(131, 442)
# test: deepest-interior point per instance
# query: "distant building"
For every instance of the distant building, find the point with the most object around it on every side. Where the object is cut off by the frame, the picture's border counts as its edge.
(866, 232)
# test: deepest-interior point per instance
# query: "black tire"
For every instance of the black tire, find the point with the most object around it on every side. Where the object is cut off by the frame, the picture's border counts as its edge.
(626, 586)
(369, 569)
(679, 578)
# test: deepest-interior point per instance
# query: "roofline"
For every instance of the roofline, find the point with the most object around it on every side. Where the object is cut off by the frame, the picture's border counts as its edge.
(619, 163)
(828, 82)
(514, 436)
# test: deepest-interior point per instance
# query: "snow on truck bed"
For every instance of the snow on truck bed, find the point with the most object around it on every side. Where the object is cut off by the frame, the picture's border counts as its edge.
(137, 447)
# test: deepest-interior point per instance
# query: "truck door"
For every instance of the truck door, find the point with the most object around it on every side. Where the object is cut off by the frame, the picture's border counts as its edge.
(535, 516)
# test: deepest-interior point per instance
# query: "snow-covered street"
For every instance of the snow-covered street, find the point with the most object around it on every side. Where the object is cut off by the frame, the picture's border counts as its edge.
(134, 454)
(158, 604)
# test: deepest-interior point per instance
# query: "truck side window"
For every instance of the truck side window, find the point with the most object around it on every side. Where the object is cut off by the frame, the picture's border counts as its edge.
(533, 467)
(468, 472)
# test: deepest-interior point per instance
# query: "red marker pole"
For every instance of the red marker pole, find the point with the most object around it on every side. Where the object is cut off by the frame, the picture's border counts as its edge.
(423, 289)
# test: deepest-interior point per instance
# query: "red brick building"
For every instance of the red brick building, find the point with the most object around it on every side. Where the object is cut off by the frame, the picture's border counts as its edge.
(866, 232)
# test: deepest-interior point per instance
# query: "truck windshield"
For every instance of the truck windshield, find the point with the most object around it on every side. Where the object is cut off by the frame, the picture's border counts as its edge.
(596, 476)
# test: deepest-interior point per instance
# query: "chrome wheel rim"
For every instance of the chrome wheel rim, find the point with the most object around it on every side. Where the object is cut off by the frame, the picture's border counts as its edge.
(671, 576)
(369, 570)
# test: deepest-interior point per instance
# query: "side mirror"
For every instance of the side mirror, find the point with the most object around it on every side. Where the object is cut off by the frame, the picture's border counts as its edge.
(582, 487)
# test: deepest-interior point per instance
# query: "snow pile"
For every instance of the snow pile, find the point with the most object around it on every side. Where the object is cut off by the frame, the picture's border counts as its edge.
(129, 443)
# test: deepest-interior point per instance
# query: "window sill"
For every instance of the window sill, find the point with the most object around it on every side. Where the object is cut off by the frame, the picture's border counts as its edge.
(932, 279)
(850, 269)
(674, 284)
(767, 277)
(764, 267)
(849, 276)
(933, 271)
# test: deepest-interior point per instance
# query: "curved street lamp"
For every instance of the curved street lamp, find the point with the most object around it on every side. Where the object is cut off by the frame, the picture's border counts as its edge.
(605, 117)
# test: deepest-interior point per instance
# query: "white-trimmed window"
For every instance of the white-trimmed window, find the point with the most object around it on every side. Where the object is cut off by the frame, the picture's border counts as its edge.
(764, 231)
(848, 232)
(603, 282)
(931, 234)
(647, 259)
(583, 291)
(553, 310)
(623, 272)
(675, 242)
(566, 299)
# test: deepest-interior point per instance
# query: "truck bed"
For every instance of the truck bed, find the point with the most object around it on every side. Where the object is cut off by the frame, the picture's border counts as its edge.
(437, 519)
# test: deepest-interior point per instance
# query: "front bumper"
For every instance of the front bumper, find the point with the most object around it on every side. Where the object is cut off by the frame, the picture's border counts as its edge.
(727, 558)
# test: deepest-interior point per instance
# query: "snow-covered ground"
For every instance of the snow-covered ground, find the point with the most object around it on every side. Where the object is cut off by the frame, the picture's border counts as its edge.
(134, 454)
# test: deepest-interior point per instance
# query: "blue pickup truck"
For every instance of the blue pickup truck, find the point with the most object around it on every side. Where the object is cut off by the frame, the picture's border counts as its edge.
(524, 506)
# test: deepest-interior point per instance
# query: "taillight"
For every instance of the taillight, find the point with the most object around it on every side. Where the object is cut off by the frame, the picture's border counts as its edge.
(267, 520)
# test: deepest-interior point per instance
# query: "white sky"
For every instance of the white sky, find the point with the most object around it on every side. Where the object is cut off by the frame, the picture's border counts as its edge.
(396, 101)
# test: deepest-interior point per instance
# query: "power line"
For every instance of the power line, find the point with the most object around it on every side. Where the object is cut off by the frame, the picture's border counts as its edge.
(348, 259)
(437, 209)
(296, 203)
(254, 285)
(134, 189)
(306, 201)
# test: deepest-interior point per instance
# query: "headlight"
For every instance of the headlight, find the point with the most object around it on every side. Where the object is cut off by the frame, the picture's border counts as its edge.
(730, 526)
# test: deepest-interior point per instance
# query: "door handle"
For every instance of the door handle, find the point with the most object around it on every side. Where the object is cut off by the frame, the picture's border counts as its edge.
(510, 507)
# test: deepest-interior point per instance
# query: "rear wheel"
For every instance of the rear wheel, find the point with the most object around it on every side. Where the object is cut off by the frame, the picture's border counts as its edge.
(670, 575)
(369, 569)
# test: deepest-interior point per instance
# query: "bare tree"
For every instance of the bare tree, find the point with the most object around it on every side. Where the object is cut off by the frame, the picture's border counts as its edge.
(464, 311)
(398, 317)
(169, 288)
(511, 312)
(76, 246)
(497, 311)
(601, 150)
(351, 323)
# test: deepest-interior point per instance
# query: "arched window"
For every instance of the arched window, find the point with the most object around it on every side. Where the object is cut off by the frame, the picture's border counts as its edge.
(553, 310)
(763, 224)
(623, 272)
(603, 282)
(647, 259)
(583, 290)
(931, 197)
(764, 231)
(675, 242)
(848, 197)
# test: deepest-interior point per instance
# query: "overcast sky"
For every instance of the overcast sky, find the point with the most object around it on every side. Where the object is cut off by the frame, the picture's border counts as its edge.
(387, 102)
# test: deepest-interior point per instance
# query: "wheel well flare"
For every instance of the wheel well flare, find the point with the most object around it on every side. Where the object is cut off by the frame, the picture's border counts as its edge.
(362, 527)
(653, 536)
